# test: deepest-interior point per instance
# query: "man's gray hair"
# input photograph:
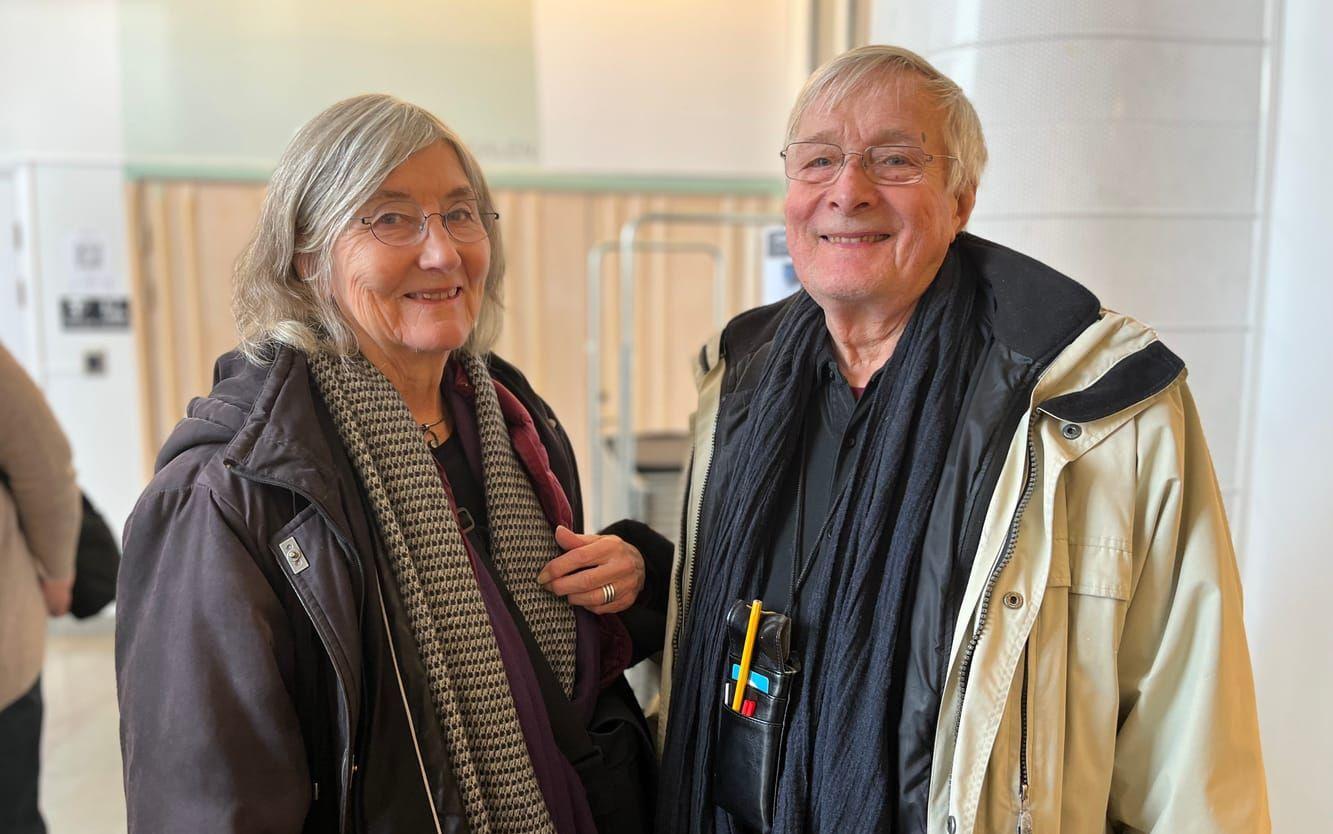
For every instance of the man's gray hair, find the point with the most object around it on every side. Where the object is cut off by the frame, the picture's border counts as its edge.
(853, 72)
(331, 167)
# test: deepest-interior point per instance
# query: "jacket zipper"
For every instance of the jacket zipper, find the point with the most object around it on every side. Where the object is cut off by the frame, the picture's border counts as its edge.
(1006, 554)
(1024, 796)
(348, 759)
(690, 547)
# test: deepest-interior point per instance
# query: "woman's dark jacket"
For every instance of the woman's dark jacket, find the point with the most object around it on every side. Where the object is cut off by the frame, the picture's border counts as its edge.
(257, 689)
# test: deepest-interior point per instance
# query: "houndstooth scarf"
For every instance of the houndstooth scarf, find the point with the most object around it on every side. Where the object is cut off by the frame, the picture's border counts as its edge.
(468, 683)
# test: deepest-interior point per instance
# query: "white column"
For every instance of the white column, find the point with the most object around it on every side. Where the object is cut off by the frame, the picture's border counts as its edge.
(1289, 572)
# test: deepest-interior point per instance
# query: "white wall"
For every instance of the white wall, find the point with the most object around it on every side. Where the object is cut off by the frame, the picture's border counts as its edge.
(689, 87)
(61, 142)
(1289, 572)
(59, 78)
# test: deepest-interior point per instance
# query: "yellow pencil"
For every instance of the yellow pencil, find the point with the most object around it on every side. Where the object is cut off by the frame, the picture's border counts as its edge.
(747, 654)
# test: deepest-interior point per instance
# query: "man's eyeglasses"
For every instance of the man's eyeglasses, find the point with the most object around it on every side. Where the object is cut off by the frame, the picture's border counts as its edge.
(403, 223)
(822, 162)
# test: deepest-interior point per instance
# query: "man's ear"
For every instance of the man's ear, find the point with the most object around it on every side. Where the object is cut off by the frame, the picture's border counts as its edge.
(967, 200)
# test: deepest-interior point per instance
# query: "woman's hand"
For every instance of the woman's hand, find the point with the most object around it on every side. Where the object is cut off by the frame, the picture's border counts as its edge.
(590, 564)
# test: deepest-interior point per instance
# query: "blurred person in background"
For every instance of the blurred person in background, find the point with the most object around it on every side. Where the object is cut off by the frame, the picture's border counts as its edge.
(354, 596)
(39, 528)
(985, 505)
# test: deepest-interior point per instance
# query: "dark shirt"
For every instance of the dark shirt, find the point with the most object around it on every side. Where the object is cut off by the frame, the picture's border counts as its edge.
(835, 427)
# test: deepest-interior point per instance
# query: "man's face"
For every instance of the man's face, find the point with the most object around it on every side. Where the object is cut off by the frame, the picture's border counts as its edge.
(854, 241)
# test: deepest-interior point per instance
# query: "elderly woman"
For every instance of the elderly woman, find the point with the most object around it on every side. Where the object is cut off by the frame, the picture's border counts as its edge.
(344, 604)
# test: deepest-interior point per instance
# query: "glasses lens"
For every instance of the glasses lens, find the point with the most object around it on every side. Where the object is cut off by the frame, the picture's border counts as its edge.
(397, 224)
(812, 161)
(895, 164)
(463, 221)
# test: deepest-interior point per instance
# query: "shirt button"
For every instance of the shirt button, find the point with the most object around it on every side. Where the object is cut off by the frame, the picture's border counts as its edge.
(850, 442)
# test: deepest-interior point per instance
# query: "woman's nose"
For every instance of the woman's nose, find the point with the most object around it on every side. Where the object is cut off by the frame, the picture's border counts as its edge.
(438, 249)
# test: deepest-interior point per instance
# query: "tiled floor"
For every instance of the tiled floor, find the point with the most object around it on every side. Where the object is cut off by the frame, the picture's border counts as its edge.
(81, 790)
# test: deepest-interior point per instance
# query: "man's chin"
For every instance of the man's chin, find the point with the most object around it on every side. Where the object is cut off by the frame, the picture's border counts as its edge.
(845, 290)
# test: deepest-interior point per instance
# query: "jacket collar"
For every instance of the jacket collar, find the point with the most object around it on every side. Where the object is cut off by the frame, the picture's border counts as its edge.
(1033, 310)
(1041, 316)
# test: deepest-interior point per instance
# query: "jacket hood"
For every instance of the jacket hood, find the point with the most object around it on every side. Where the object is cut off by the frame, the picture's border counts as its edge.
(215, 419)
(263, 421)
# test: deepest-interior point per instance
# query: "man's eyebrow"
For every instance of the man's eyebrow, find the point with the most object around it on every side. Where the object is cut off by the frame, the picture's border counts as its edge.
(888, 136)
(829, 136)
(897, 136)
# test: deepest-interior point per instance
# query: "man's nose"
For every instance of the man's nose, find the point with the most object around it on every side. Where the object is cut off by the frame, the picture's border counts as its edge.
(852, 189)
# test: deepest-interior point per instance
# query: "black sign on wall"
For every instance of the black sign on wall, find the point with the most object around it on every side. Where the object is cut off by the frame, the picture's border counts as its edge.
(95, 313)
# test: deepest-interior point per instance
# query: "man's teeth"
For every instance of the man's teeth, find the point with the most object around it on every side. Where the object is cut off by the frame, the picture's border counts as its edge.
(436, 296)
(855, 238)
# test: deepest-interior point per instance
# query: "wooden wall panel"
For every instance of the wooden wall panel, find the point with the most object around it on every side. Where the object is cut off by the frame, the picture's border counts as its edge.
(190, 234)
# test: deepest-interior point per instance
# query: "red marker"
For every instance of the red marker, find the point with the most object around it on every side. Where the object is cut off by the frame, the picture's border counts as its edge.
(747, 708)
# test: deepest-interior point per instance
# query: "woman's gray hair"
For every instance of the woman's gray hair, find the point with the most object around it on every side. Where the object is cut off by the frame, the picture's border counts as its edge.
(328, 171)
(853, 71)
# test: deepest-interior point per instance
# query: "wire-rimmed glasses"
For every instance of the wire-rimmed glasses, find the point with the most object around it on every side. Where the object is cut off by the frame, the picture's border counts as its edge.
(822, 162)
(403, 222)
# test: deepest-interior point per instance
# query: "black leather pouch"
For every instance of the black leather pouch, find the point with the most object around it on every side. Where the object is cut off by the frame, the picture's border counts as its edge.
(747, 755)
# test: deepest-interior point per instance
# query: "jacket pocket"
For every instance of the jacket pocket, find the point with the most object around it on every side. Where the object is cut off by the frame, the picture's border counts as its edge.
(1101, 567)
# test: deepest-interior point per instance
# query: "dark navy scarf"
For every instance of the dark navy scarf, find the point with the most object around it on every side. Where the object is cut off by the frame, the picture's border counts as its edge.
(838, 772)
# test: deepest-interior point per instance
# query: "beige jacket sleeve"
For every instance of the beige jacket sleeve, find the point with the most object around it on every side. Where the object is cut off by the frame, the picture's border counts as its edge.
(1187, 754)
(35, 458)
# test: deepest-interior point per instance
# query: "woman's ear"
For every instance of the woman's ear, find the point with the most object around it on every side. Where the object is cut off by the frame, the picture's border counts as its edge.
(304, 264)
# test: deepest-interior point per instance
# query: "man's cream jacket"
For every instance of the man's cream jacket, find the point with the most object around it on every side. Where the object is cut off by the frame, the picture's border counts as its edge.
(1108, 682)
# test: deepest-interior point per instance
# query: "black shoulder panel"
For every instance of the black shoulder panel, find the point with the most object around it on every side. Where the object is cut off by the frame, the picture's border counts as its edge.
(1133, 379)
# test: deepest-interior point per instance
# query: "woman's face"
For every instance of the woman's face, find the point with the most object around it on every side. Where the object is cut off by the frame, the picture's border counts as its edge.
(409, 302)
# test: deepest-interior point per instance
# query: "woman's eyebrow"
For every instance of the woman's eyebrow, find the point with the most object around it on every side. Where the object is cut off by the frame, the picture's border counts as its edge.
(459, 193)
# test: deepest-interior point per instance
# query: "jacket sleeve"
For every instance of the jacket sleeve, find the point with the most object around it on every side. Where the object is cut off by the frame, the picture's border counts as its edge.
(645, 620)
(1187, 751)
(36, 461)
(204, 657)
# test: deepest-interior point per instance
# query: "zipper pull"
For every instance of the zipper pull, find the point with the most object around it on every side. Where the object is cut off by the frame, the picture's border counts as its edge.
(1024, 811)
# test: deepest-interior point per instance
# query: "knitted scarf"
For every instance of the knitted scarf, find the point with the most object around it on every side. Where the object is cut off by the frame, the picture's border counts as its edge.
(468, 684)
(837, 770)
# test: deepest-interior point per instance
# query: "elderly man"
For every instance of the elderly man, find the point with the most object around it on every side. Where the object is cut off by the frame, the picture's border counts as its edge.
(998, 590)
